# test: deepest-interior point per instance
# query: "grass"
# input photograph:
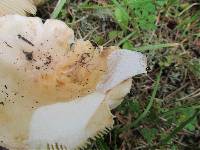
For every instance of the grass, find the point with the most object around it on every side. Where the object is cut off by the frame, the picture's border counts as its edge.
(162, 111)
(144, 114)
(58, 8)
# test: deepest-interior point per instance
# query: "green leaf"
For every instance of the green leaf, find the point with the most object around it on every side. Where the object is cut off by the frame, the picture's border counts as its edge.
(113, 34)
(99, 40)
(190, 127)
(180, 127)
(144, 13)
(186, 113)
(149, 134)
(161, 2)
(121, 17)
(127, 45)
(135, 106)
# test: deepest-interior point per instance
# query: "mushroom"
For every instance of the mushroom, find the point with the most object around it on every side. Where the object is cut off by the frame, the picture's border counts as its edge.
(21, 7)
(57, 92)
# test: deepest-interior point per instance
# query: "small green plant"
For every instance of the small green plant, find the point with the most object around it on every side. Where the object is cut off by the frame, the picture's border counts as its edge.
(136, 13)
(149, 134)
(143, 13)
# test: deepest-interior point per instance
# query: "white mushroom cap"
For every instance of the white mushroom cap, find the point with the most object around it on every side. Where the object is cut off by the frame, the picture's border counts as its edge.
(55, 89)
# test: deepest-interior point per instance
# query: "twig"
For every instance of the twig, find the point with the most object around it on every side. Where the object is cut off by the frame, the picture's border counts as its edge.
(92, 31)
(176, 91)
(194, 94)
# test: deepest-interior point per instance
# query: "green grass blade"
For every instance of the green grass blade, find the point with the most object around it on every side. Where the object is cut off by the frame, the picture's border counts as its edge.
(144, 114)
(156, 46)
(189, 7)
(179, 128)
(155, 89)
(126, 38)
(179, 109)
(58, 8)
